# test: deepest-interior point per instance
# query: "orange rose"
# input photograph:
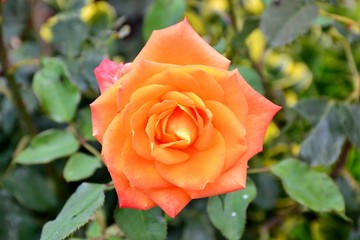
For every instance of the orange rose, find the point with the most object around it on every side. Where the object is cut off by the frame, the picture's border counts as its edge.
(175, 124)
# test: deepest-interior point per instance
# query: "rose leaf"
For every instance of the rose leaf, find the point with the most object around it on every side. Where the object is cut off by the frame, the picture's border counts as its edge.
(48, 146)
(80, 166)
(310, 188)
(77, 211)
(228, 212)
(139, 224)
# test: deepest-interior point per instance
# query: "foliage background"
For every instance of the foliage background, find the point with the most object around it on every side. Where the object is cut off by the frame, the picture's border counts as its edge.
(302, 54)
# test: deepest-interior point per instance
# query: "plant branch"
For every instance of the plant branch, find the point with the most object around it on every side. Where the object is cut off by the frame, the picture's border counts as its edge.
(339, 18)
(355, 95)
(8, 72)
(259, 170)
(342, 159)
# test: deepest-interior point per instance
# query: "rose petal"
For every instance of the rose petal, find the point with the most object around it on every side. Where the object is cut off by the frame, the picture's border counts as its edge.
(121, 158)
(180, 44)
(109, 72)
(232, 180)
(130, 197)
(171, 200)
(103, 110)
(141, 173)
(201, 168)
(260, 113)
(232, 130)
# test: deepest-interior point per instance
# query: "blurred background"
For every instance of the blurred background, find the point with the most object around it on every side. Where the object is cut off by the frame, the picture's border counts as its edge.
(303, 55)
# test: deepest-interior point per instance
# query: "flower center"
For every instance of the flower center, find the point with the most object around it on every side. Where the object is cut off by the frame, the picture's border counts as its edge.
(177, 129)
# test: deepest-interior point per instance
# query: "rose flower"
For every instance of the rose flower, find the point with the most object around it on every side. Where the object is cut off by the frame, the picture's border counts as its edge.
(175, 124)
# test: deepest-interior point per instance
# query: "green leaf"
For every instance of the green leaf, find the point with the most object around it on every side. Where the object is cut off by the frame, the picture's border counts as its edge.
(283, 21)
(253, 78)
(58, 96)
(312, 189)
(48, 146)
(323, 145)
(77, 211)
(31, 190)
(70, 43)
(161, 14)
(80, 166)
(228, 213)
(312, 109)
(349, 118)
(139, 224)
(84, 124)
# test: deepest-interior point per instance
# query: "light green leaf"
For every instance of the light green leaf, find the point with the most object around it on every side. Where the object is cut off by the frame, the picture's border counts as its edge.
(312, 189)
(161, 14)
(48, 146)
(283, 21)
(31, 190)
(77, 211)
(324, 144)
(228, 213)
(139, 224)
(80, 166)
(58, 96)
(84, 124)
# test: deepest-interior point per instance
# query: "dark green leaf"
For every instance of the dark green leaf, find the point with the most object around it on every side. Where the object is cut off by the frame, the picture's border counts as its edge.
(312, 109)
(312, 189)
(69, 44)
(283, 20)
(139, 224)
(161, 14)
(267, 188)
(199, 228)
(77, 211)
(253, 78)
(350, 120)
(48, 146)
(15, 222)
(80, 166)
(324, 144)
(58, 96)
(31, 190)
(228, 213)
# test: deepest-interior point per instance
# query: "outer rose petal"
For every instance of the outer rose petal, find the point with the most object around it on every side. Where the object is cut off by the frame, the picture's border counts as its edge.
(171, 200)
(180, 44)
(103, 110)
(109, 72)
(130, 197)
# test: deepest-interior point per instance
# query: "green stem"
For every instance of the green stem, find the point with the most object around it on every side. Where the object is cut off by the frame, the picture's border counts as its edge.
(355, 95)
(8, 72)
(233, 15)
(259, 170)
(340, 18)
(90, 148)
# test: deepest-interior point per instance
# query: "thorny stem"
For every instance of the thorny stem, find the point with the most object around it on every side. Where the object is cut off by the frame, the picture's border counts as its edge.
(8, 72)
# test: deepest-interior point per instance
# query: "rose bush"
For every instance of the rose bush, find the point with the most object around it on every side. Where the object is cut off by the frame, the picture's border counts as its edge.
(175, 124)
